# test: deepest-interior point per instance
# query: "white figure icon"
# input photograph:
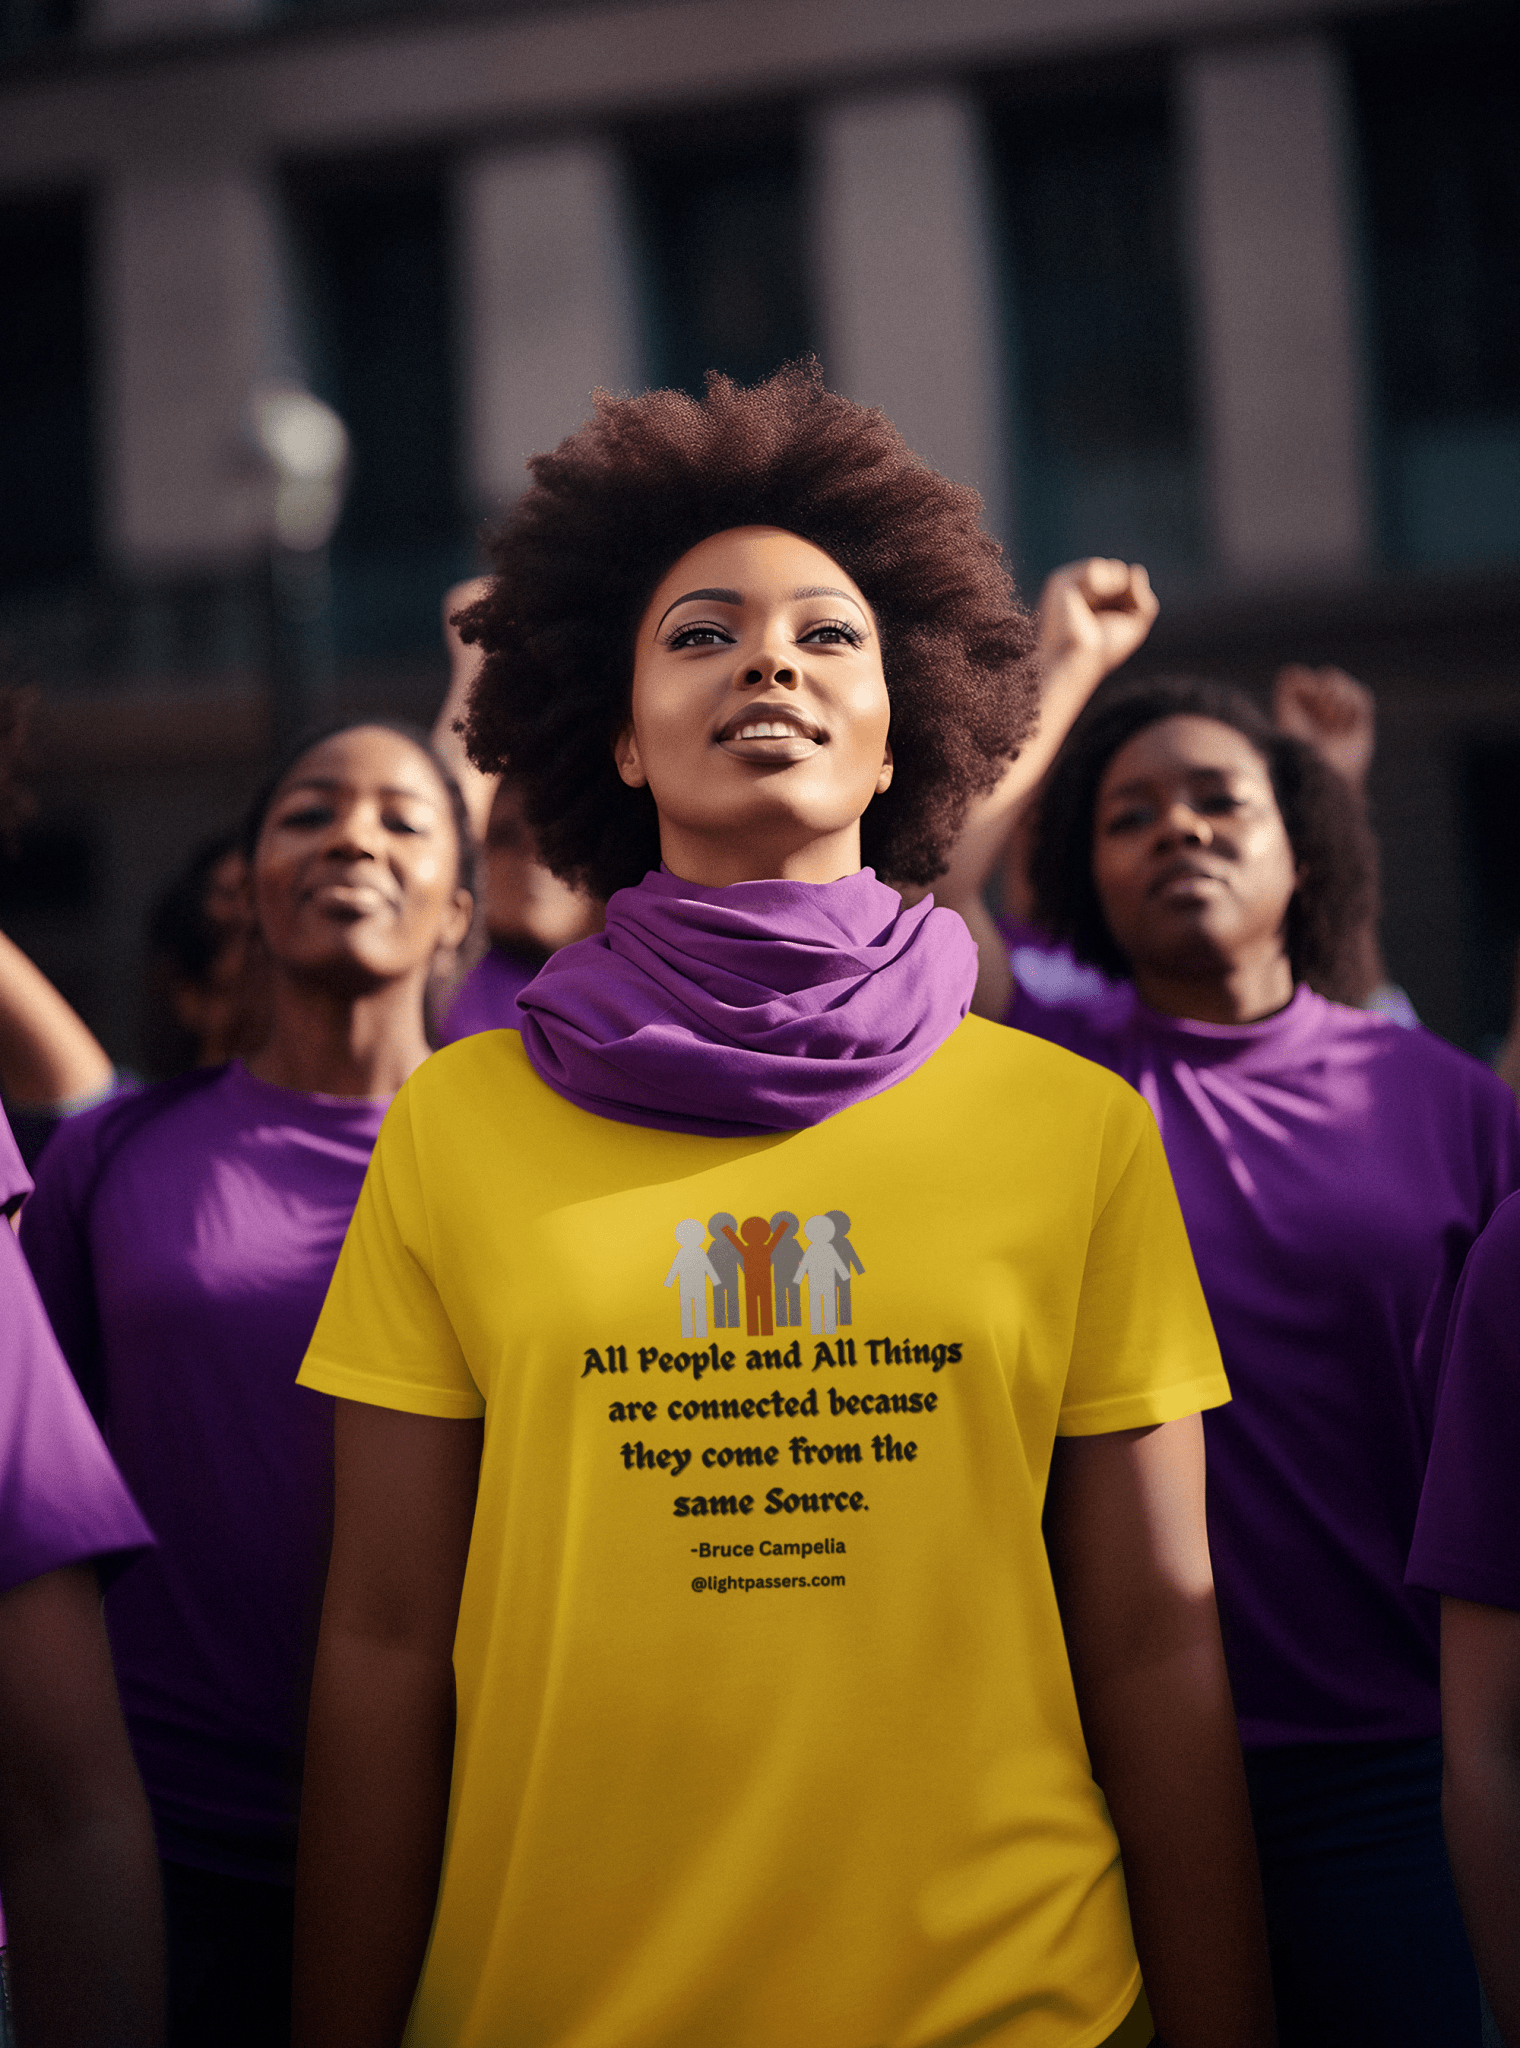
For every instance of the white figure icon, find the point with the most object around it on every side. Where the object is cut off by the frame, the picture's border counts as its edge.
(823, 1269)
(692, 1269)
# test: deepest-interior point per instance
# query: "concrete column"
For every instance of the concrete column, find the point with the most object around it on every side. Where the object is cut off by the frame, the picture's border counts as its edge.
(549, 311)
(903, 279)
(1264, 132)
(189, 315)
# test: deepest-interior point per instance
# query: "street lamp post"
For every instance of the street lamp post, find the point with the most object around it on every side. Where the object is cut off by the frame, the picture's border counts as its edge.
(306, 447)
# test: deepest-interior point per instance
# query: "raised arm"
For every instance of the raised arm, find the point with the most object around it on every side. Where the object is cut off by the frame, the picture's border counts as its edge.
(464, 665)
(1480, 1800)
(1337, 716)
(380, 1741)
(78, 1869)
(48, 1054)
(1093, 615)
(1129, 1550)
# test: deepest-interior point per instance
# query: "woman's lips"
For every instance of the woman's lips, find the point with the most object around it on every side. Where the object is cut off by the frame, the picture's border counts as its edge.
(763, 737)
(347, 899)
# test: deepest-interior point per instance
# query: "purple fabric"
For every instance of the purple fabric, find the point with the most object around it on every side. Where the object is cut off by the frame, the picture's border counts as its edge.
(766, 1006)
(1333, 1170)
(15, 1181)
(486, 999)
(1467, 1538)
(1051, 972)
(62, 1500)
(183, 1243)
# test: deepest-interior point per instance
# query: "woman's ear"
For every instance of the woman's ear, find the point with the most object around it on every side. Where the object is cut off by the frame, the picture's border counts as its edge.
(455, 928)
(884, 779)
(625, 753)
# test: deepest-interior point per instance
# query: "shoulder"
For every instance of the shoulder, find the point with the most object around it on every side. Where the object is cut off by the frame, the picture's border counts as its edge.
(1021, 1090)
(95, 1137)
(1494, 1261)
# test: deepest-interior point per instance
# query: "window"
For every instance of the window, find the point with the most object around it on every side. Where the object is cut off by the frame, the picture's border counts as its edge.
(721, 233)
(1106, 441)
(1440, 138)
(375, 279)
(47, 513)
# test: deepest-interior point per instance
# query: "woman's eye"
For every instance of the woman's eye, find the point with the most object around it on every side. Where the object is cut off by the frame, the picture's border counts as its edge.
(700, 636)
(1130, 820)
(394, 822)
(1221, 802)
(309, 818)
(831, 632)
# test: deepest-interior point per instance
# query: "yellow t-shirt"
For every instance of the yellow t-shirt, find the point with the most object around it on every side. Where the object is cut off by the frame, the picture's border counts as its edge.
(766, 1730)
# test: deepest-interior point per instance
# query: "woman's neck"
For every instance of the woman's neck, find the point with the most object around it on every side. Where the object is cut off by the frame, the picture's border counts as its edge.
(1239, 993)
(324, 1043)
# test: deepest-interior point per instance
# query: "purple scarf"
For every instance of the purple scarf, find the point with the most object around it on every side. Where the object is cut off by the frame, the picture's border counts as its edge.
(732, 1013)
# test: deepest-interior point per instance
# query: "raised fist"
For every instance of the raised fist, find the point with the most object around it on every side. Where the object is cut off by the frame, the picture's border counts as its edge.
(1332, 711)
(1095, 613)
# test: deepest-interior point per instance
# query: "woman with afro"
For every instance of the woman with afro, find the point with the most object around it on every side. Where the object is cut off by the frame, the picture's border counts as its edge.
(1334, 1167)
(681, 1683)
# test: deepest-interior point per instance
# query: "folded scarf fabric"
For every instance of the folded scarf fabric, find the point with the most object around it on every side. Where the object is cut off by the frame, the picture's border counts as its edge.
(765, 1006)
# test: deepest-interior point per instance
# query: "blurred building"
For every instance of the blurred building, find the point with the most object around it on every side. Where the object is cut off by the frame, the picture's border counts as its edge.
(1228, 286)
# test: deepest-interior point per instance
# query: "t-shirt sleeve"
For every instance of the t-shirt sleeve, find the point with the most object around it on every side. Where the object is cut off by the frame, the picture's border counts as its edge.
(1143, 1349)
(55, 1236)
(62, 1500)
(1467, 1534)
(384, 1336)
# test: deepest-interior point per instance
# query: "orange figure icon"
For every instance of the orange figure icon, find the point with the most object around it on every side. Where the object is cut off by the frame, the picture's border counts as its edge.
(754, 1244)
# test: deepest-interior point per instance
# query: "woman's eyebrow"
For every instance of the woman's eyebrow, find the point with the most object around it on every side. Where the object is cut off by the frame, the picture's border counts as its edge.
(712, 597)
(827, 590)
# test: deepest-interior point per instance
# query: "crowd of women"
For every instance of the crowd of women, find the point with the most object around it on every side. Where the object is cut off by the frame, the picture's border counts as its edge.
(1120, 1693)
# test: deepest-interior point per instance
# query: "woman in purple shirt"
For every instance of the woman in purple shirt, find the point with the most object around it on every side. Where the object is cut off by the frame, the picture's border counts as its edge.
(183, 1241)
(1333, 1169)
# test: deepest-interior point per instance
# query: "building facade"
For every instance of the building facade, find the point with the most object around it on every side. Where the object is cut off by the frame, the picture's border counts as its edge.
(1231, 287)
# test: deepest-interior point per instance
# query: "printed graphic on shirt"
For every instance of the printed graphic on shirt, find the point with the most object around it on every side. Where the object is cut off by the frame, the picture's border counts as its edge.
(803, 1436)
(775, 1263)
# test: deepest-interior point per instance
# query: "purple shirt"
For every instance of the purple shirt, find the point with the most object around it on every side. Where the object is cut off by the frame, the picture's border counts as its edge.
(1333, 1170)
(1467, 1538)
(183, 1241)
(61, 1499)
(487, 997)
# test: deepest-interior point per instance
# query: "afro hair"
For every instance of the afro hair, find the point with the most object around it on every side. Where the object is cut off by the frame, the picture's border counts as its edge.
(1336, 854)
(581, 553)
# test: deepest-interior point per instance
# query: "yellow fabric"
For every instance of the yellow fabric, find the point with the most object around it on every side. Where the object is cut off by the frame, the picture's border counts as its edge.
(843, 1802)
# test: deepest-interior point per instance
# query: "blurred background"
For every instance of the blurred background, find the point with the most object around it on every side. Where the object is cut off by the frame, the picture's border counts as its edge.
(1231, 287)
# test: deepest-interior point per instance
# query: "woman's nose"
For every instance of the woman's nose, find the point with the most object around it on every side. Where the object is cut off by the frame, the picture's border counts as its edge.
(1190, 826)
(769, 666)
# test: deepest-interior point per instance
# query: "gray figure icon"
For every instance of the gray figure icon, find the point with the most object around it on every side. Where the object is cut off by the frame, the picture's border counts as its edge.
(823, 1269)
(691, 1269)
(785, 1260)
(725, 1259)
(852, 1264)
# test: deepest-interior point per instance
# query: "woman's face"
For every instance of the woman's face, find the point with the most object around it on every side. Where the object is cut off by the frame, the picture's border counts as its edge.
(1191, 859)
(759, 711)
(355, 875)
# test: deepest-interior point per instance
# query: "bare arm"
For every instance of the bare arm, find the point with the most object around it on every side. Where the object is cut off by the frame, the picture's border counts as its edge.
(48, 1054)
(1129, 1550)
(1337, 716)
(1093, 615)
(78, 1869)
(380, 1741)
(464, 665)
(1480, 1715)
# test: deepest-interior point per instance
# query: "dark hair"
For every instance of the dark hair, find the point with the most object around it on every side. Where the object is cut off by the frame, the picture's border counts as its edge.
(258, 810)
(579, 556)
(1332, 843)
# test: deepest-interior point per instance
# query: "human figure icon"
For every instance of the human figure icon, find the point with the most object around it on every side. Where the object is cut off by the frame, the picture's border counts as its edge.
(824, 1269)
(785, 1260)
(725, 1262)
(754, 1244)
(852, 1264)
(690, 1270)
